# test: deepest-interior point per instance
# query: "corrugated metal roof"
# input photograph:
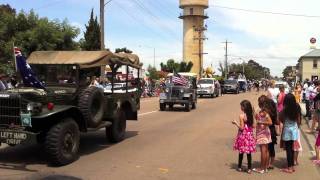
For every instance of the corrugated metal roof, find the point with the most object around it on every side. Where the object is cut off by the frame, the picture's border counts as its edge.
(313, 53)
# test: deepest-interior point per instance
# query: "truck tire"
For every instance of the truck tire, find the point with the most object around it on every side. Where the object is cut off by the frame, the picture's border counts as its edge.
(187, 107)
(62, 142)
(194, 105)
(117, 131)
(162, 106)
(91, 105)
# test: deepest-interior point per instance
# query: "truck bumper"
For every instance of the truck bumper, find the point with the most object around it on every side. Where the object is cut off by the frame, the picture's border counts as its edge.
(173, 101)
(15, 137)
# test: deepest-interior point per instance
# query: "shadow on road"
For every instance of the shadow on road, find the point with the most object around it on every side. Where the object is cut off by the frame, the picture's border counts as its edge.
(278, 163)
(96, 141)
(19, 157)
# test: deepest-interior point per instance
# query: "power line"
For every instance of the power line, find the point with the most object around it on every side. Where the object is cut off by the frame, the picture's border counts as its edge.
(266, 12)
(144, 8)
(49, 4)
(260, 57)
(136, 20)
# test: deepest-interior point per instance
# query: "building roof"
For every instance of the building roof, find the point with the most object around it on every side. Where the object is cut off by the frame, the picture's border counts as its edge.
(312, 54)
(84, 59)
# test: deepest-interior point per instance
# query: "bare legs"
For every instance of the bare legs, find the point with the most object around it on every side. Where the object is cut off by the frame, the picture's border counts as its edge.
(264, 158)
(296, 154)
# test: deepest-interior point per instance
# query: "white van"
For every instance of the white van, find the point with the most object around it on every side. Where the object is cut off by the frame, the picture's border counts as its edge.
(208, 86)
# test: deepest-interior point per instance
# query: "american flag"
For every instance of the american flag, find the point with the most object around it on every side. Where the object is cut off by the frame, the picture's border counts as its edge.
(29, 78)
(179, 80)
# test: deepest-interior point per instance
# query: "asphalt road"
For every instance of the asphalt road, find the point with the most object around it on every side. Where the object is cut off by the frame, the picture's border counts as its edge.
(161, 145)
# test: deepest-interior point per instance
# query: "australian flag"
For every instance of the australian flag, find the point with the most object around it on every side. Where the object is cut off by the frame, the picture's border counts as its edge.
(28, 76)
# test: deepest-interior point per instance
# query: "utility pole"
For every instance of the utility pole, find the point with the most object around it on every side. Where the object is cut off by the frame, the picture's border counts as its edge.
(154, 57)
(226, 59)
(242, 66)
(102, 8)
(102, 24)
(201, 38)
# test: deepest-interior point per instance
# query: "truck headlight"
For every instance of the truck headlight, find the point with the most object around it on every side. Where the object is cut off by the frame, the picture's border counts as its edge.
(181, 90)
(30, 107)
(167, 90)
(34, 108)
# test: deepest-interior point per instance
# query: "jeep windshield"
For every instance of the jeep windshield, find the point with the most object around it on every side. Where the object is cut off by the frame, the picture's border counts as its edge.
(56, 74)
(230, 82)
(205, 81)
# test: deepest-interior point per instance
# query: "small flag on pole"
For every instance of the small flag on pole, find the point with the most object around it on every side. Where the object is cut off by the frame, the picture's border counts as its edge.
(28, 76)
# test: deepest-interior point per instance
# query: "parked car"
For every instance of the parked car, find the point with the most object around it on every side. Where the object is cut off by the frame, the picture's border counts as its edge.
(185, 95)
(231, 85)
(208, 86)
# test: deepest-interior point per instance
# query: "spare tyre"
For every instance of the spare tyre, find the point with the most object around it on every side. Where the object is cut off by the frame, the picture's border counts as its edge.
(91, 105)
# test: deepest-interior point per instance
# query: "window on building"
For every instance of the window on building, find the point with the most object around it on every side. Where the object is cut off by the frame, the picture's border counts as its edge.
(191, 11)
(315, 63)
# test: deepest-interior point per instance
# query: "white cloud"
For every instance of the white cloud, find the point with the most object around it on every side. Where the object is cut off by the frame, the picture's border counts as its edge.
(285, 37)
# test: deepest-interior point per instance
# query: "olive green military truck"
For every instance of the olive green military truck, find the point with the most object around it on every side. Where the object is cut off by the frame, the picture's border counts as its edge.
(69, 105)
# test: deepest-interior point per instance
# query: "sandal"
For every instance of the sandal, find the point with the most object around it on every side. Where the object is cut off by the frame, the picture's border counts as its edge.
(258, 171)
(239, 170)
(270, 168)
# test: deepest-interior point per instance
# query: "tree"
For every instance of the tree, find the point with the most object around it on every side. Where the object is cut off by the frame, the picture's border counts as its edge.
(152, 73)
(287, 71)
(92, 36)
(252, 70)
(31, 33)
(125, 50)
(172, 66)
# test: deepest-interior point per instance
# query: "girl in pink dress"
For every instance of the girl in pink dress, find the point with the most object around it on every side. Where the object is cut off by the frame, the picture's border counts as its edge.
(245, 142)
(263, 135)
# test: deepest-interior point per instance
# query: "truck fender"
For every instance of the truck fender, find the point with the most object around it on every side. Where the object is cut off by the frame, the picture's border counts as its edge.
(60, 112)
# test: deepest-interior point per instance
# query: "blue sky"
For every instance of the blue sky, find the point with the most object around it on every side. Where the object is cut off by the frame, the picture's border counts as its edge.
(142, 25)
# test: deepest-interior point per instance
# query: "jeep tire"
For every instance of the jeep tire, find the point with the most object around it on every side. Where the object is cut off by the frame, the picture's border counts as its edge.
(91, 105)
(194, 105)
(62, 142)
(187, 107)
(162, 106)
(117, 131)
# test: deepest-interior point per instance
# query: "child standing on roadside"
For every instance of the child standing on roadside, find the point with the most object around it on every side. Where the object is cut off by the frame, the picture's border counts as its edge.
(263, 135)
(245, 141)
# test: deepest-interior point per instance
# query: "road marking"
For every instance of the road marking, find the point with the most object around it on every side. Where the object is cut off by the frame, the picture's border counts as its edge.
(163, 170)
(142, 114)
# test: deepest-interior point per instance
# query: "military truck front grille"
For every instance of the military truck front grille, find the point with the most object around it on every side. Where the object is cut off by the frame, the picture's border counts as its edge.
(10, 110)
(175, 93)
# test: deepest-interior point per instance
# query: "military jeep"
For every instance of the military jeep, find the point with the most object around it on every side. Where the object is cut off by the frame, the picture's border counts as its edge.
(68, 105)
(184, 95)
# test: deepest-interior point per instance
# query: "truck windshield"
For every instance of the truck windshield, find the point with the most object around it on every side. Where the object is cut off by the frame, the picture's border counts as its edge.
(56, 74)
(231, 82)
(205, 81)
